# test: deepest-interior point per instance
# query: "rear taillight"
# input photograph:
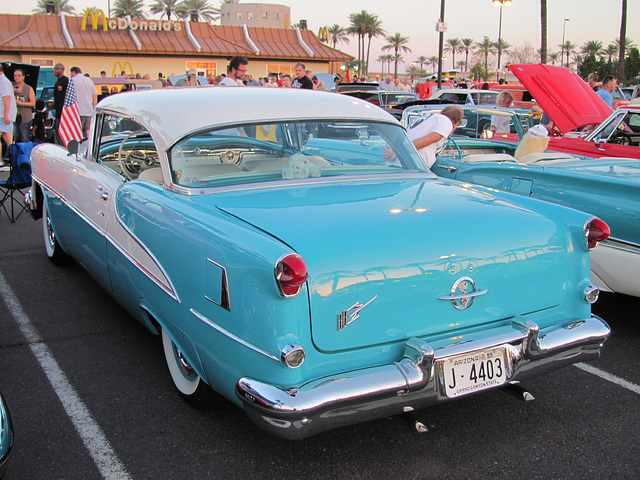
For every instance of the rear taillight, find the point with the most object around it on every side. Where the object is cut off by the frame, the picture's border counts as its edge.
(291, 273)
(595, 232)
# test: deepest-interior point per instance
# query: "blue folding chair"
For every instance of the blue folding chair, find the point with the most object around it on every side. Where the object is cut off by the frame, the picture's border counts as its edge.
(18, 182)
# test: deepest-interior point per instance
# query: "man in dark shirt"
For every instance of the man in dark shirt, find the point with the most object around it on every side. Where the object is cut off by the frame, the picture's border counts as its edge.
(301, 81)
(59, 91)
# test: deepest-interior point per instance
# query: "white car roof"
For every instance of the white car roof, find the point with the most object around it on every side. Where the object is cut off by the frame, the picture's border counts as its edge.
(171, 113)
(464, 90)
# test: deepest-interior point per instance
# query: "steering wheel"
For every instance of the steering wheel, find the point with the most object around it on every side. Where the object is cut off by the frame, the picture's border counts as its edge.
(454, 143)
(131, 163)
(621, 138)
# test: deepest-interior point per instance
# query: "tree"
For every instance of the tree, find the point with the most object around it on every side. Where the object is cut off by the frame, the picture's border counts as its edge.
(543, 31)
(434, 63)
(524, 54)
(133, 8)
(623, 36)
(611, 50)
(466, 45)
(201, 8)
(554, 57)
(397, 43)
(61, 6)
(358, 28)
(592, 47)
(374, 29)
(485, 48)
(452, 45)
(568, 48)
(164, 7)
(422, 60)
(337, 34)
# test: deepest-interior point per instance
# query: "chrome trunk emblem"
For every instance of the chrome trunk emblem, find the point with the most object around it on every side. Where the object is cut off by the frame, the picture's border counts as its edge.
(345, 318)
(463, 293)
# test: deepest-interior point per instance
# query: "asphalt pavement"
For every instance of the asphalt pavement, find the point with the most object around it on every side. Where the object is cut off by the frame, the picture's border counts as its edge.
(91, 398)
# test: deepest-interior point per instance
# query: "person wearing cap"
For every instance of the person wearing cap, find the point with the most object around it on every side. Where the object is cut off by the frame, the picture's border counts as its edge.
(192, 77)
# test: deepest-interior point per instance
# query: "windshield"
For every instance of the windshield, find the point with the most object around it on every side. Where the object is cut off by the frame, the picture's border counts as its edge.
(255, 153)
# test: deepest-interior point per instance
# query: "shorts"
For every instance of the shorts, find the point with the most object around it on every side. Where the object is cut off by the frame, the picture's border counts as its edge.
(85, 121)
(4, 127)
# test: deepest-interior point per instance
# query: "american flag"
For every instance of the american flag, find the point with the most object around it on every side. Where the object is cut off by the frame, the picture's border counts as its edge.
(70, 126)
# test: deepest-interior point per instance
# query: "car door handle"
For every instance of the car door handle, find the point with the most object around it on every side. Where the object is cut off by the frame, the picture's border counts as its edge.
(451, 168)
(103, 195)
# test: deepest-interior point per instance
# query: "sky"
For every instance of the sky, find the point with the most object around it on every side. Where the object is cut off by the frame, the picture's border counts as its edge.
(416, 19)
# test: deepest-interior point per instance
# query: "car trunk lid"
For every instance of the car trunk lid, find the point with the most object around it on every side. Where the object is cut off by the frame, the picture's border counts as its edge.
(394, 248)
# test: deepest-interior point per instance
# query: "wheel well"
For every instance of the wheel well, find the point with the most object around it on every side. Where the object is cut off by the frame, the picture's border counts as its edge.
(150, 322)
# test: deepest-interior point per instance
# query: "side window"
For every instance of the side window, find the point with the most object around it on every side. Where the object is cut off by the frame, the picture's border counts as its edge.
(607, 131)
(124, 146)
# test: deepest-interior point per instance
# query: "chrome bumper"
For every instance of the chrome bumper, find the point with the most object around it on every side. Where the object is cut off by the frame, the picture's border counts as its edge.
(415, 381)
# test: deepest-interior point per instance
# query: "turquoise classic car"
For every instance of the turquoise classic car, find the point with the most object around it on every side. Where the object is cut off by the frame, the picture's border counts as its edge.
(606, 187)
(291, 269)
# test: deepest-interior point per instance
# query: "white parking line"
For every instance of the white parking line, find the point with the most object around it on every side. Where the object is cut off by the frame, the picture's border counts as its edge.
(609, 377)
(90, 432)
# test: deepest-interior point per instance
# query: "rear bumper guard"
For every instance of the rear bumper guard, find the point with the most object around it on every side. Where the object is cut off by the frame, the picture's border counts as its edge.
(414, 381)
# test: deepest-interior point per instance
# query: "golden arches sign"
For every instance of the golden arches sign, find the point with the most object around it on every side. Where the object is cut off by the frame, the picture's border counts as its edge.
(323, 34)
(94, 19)
(119, 67)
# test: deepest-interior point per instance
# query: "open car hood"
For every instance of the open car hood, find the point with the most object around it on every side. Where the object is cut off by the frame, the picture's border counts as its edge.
(567, 99)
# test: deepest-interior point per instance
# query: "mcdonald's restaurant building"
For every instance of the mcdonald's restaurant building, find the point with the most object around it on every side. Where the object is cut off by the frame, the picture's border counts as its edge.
(95, 43)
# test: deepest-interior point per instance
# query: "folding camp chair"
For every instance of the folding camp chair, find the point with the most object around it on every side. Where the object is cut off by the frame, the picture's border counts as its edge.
(13, 189)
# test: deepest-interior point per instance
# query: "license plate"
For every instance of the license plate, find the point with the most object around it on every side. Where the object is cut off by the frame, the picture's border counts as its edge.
(472, 372)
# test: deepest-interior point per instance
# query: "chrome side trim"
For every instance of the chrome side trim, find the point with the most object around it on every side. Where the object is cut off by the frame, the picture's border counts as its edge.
(233, 337)
(621, 245)
(224, 294)
(166, 287)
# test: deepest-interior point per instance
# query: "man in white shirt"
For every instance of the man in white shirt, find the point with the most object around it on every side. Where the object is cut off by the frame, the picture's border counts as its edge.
(429, 133)
(235, 72)
(387, 85)
(87, 98)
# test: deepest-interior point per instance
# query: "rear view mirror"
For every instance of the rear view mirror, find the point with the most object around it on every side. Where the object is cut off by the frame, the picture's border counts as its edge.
(72, 147)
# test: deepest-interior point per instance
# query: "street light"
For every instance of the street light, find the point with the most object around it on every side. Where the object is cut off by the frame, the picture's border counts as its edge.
(501, 3)
(564, 26)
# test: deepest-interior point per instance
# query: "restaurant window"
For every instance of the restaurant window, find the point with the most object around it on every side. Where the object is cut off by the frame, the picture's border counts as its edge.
(277, 68)
(250, 16)
(264, 15)
(203, 68)
(239, 15)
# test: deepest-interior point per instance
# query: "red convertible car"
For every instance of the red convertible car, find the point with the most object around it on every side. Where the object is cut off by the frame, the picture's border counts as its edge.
(584, 124)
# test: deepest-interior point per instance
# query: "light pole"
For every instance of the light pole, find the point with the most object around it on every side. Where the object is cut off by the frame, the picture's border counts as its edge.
(564, 26)
(501, 3)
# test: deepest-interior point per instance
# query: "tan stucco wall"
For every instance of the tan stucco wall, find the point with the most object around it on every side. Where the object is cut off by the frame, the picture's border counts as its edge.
(152, 65)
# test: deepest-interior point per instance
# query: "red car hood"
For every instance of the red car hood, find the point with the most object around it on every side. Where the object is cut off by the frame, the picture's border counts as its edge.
(567, 99)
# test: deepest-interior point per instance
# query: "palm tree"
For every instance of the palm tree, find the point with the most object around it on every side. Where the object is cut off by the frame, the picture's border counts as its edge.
(453, 46)
(611, 50)
(554, 57)
(592, 47)
(164, 7)
(466, 45)
(543, 31)
(374, 29)
(568, 48)
(133, 8)
(357, 28)
(434, 63)
(484, 48)
(337, 34)
(623, 44)
(397, 43)
(201, 8)
(422, 60)
(61, 6)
